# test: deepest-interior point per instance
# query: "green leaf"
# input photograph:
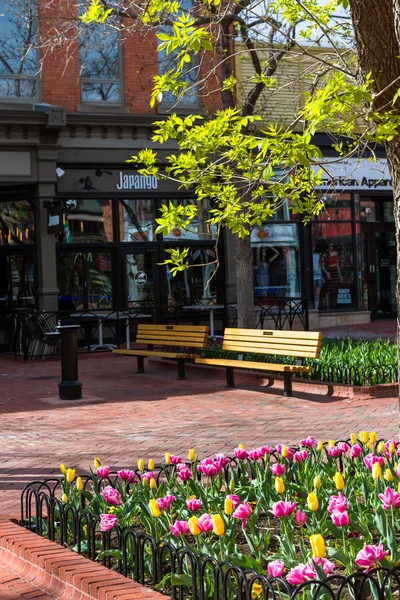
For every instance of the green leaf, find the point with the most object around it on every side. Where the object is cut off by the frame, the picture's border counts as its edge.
(115, 553)
(246, 562)
(182, 579)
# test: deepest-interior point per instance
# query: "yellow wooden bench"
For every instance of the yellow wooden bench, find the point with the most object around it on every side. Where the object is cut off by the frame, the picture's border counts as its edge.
(301, 344)
(169, 338)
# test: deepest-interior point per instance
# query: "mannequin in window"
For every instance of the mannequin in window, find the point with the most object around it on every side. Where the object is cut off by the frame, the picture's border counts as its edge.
(265, 257)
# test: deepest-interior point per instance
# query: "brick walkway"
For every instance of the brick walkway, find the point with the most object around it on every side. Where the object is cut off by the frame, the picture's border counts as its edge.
(129, 416)
(386, 328)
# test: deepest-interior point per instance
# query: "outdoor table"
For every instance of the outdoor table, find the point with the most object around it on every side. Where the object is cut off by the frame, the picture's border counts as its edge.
(211, 308)
(115, 316)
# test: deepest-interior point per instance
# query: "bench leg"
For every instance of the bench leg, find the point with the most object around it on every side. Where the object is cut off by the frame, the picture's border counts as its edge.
(287, 384)
(230, 378)
(181, 368)
(140, 364)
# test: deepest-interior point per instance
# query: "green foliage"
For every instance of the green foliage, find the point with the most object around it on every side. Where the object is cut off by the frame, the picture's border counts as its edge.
(95, 13)
(178, 260)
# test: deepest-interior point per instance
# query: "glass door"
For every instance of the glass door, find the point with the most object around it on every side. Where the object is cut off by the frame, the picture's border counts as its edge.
(379, 266)
(138, 271)
(17, 281)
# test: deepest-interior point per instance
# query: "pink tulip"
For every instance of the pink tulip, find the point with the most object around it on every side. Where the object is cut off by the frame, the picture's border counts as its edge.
(327, 565)
(276, 568)
(334, 452)
(205, 523)
(397, 471)
(340, 519)
(282, 509)
(234, 498)
(193, 504)
(264, 450)
(337, 503)
(180, 528)
(242, 512)
(185, 474)
(254, 454)
(300, 574)
(343, 447)
(387, 446)
(166, 502)
(371, 459)
(148, 475)
(289, 451)
(126, 475)
(355, 451)
(241, 453)
(103, 471)
(107, 522)
(222, 460)
(389, 499)
(175, 459)
(300, 456)
(370, 556)
(300, 518)
(310, 442)
(209, 469)
(111, 495)
(277, 469)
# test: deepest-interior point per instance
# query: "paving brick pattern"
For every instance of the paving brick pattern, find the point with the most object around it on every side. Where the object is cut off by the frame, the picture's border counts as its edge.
(130, 416)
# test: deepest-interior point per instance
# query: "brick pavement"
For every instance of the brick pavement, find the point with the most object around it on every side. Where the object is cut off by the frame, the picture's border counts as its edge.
(131, 416)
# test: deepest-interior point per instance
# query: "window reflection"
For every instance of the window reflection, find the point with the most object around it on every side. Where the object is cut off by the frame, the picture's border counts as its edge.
(137, 222)
(18, 56)
(17, 223)
(23, 280)
(88, 220)
(333, 266)
(139, 280)
(99, 55)
(276, 260)
(99, 280)
(195, 285)
(199, 228)
(70, 281)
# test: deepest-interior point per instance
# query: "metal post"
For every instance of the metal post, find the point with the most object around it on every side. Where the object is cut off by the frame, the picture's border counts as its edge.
(230, 378)
(69, 388)
(287, 384)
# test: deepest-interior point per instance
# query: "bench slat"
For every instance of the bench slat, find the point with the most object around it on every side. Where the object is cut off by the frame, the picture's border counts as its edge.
(154, 353)
(172, 342)
(272, 333)
(273, 340)
(172, 335)
(267, 349)
(158, 328)
(244, 364)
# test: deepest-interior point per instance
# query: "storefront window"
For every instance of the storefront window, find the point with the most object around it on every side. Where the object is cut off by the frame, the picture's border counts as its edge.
(337, 207)
(88, 220)
(17, 223)
(333, 266)
(23, 280)
(138, 279)
(276, 260)
(70, 281)
(98, 273)
(199, 228)
(137, 220)
(195, 285)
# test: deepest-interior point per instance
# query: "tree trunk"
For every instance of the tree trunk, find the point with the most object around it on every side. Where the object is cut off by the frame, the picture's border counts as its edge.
(244, 283)
(377, 36)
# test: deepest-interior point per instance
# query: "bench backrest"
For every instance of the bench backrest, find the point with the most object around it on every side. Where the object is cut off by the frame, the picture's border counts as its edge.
(187, 336)
(302, 344)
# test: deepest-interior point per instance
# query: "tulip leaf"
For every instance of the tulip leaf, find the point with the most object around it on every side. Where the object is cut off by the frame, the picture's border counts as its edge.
(181, 579)
(114, 553)
(338, 555)
(246, 562)
(356, 542)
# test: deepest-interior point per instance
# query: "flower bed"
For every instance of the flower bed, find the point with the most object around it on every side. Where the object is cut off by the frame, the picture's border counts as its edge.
(320, 521)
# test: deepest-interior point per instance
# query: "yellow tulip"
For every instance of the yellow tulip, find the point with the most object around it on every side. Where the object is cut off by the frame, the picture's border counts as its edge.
(398, 487)
(194, 528)
(167, 458)
(191, 454)
(70, 475)
(154, 510)
(392, 448)
(97, 462)
(353, 439)
(256, 590)
(79, 484)
(389, 475)
(339, 481)
(112, 510)
(63, 469)
(312, 501)
(140, 464)
(153, 483)
(318, 545)
(317, 482)
(381, 447)
(241, 446)
(331, 443)
(279, 485)
(284, 451)
(376, 471)
(372, 437)
(232, 486)
(228, 506)
(320, 446)
(64, 498)
(370, 446)
(218, 524)
(150, 464)
(363, 435)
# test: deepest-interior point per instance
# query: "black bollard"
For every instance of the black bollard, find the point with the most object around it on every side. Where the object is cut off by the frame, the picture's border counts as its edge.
(69, 388)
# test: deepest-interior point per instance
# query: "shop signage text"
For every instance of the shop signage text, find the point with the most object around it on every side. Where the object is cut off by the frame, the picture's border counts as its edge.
(354, 174)
(136, 182)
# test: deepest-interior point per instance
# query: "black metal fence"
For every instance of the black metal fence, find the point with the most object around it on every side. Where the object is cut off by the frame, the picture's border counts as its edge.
(284, 312)
(178, 571)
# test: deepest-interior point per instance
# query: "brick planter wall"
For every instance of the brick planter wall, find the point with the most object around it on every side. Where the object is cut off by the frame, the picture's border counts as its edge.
(42, 566)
